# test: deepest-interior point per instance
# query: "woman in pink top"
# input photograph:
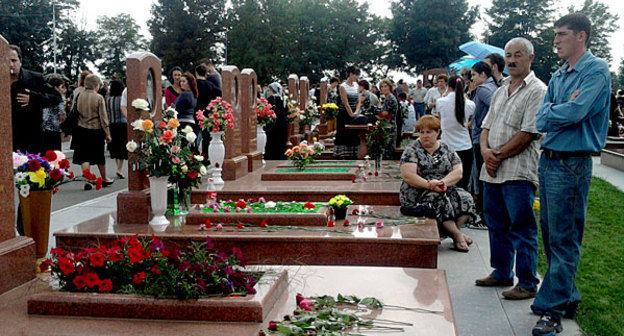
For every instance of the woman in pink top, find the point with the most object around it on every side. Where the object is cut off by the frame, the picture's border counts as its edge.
(173, 91)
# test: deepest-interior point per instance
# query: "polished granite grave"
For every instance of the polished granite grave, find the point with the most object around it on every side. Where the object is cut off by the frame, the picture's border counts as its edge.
(374, 191)
(198, 215)
(310, 174)
(325, 163)
(408, 287)
(402, 242)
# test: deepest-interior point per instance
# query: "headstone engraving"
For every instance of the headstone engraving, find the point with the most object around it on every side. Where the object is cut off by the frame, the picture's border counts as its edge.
(235, 164)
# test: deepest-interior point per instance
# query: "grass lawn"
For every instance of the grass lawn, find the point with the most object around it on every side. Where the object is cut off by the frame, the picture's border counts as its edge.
(601, 271)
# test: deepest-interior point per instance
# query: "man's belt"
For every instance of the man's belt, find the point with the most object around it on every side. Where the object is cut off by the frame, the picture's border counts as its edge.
(556, 155)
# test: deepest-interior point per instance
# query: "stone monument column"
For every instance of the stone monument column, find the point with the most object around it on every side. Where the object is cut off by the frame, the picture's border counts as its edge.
(293, 94)
(235, 163)
(322, 127)
(17, 254)
(143, 79)
(248, 100)
(304, 93)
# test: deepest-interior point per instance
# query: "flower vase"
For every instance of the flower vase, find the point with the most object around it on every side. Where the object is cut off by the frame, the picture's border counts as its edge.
(184, 200)
(261, 140)
(378, 164)
(340, 213)
(36, 218)
(216, 153)
(158, 196)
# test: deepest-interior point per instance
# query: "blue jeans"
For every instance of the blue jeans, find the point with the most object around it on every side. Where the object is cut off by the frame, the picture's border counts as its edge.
(564, 188)
(419, 110)
(508, 210)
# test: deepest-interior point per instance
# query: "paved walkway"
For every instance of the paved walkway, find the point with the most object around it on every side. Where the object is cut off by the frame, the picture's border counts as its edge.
(478, 311)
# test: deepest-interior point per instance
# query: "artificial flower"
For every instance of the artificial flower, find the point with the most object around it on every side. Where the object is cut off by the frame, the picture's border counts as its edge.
(137, 125)
(140, 104)
(173, 123)
(187, 129)
(270, 205)
(56, 175)
(203, 171)
(19, 177)
(18, 160)
(167, 136)
(38, 177)
(34, 165)
(131, 146)
(191, 137)
(184, 169)
(379, 224)
(147, 125)
(50, 156)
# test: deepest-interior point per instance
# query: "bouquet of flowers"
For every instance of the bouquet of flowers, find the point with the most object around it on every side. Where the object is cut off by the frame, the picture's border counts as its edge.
(186, 169)
(303, 155)
(217, 117)
(330, 111)
(340, 202)
(310, 114)
(264, 112)
(160, 146)
(34, 172)
(150, 268)
(293, 111)
(379, 138)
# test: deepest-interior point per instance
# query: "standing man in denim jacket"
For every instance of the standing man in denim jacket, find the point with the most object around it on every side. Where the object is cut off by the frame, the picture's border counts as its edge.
(575, 117)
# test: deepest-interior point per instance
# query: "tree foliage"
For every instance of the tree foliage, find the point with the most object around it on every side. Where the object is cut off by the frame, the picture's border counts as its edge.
(186, 30)
(76, 48)
(428, 32)
(117, 36)
(28, 24)
(604, 24)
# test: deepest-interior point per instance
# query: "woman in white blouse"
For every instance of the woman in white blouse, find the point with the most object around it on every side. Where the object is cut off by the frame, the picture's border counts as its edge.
(455, 111)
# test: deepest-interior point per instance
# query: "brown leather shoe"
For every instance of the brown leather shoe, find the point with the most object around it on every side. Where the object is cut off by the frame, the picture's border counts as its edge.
(490, 281)
(518, 293)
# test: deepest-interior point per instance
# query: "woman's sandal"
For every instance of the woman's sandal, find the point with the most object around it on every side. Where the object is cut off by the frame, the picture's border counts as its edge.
(458, 248)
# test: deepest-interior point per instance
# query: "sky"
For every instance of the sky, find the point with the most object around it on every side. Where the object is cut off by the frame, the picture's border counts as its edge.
(140, 9)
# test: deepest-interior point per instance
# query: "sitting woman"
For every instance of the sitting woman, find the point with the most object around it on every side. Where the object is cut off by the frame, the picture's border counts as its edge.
(430, 171)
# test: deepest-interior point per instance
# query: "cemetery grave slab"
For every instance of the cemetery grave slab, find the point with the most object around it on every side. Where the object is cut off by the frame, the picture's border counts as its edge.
(326, 163)
(250, 308)
(310, 173)
(405, 242)
(319, 217)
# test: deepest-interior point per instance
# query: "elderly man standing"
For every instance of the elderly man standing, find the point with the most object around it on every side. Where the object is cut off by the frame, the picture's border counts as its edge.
(510, 148)
(574, 117)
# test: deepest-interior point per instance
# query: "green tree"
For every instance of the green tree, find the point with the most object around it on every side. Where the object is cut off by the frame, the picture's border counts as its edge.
(118, 36)
(428, 32)
(28, 24)
(619, 84)
(184, 31)
(604, 24)
(77, 47)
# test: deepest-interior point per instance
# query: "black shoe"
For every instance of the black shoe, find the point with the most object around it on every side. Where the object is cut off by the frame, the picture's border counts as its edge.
(88, 186)
(107, 183)
(547, 326)
(572, 310)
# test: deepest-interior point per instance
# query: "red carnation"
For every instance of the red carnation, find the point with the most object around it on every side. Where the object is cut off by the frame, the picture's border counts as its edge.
(273, 325)
(92, 279)
(192, 174)
(80, 282)
(208, 223)
(96, 260)
(55, 190)
(346, 222)
(50, 156)
(106, 285)
(98, 183)
(376, 173)
(241, 204)
(56, 174)
(138, 278)
(45, 265)
(71, 175)
(263, 224)
(355, 212)
(34, 165)
(331, 223)
(353, 180)
(309, 206)
(299, 298)
(240, 225)
(64, 164)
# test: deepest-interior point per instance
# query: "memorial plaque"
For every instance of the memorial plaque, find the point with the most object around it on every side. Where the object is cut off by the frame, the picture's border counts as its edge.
(235, 163)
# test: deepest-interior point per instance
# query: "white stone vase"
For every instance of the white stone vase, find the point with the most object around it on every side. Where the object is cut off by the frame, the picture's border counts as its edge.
(158, 196)
(216, 154)
(261, 140)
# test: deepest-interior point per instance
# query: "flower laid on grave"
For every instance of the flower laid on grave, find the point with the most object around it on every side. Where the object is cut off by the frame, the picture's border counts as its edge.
(330, 111)
(218, 116)
(379, 139)
(262, 207)
(293, 111)
(328, 315)
(33, 172)
(150, 268)
(309, 115)
(304, 154)
(264, 112)
(162, 150)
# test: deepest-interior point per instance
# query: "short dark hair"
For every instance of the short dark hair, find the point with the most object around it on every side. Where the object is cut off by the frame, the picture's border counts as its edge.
(364, 83)
(498, 60)
(402, 95)
(17, 49)
(419, 81)
(334, 80)
(205, 60)
(353, 70)
(482, 67)
(116, 88)
(577, 22)
(201, 70)
(55, 80)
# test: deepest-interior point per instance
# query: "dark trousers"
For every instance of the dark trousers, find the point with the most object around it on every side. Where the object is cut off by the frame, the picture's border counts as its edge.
(466, 159)
(479, 160)
(51, 141)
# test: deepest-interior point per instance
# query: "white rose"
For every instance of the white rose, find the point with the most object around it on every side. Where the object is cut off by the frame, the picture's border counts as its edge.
(184, 169)
(188, 129)
(190, 137)
(199, 158)
(140, 104)
(203, 171)
(131, 146)
(137, 125)
(270, 205)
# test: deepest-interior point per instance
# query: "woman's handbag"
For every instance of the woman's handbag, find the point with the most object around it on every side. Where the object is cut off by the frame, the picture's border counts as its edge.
(418, 210)
(71, 122)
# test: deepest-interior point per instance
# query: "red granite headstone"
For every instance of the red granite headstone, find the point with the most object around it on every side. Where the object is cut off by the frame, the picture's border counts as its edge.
(322, 127)
(293, 95)
(143, 73)
(249, 94)
(17, 254)
(235, 164)
(304, 93)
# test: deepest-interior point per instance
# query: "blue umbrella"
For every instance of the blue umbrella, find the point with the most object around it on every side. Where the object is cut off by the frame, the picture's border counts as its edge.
(465, 61)
(479, 50)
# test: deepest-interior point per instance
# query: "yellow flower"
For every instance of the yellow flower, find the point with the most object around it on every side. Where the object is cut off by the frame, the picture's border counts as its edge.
(38, 177)
(147, 125)
(340, 203)
(173, 123)
(536, 205)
